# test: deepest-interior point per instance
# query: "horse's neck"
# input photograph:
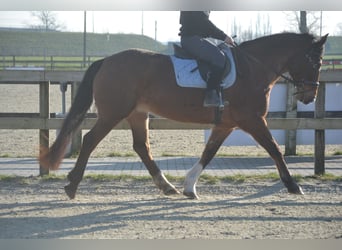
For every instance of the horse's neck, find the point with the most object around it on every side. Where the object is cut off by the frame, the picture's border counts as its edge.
(273, 57)
(264, 63)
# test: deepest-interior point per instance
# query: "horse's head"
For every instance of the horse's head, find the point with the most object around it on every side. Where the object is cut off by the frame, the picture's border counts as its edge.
(304, 69)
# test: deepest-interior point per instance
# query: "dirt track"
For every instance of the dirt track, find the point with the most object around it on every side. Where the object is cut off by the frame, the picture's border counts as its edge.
(30, 208)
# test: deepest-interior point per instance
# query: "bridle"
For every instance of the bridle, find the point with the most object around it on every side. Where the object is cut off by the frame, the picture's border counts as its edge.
(297, 83)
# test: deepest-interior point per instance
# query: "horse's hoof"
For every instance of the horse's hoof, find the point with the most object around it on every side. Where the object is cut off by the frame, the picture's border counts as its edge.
(191, 195)
(70, 190)
(295, 189)
(164, 185)
(171, 191)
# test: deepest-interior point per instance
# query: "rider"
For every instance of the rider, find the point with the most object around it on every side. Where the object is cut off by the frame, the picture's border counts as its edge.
(196, 26)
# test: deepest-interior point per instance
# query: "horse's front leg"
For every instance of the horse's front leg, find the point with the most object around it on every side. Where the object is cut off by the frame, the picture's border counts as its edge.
(258, 129)
(218, 135)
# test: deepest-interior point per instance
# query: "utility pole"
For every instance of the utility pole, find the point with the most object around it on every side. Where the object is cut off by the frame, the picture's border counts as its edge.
(320, 24)
(155, 30)
(303, 27)
(85, 39)
(291, 107)
(93, 21)
(142, 23)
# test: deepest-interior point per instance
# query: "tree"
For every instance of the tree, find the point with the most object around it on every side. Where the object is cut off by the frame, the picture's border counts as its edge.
(267, 26)
(236, 30)
(311, 18)
(47, 21)
(259, 27)
(338, 31)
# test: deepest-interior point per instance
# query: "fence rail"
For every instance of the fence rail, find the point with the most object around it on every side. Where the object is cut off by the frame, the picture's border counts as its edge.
(78, 62)
(36, 76)
(47, 63)
(162, 123)
(44, 122)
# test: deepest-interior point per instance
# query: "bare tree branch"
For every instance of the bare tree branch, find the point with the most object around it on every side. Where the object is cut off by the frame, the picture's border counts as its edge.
(338, 31)
(47, 21)
(261, 27)
(312, 21)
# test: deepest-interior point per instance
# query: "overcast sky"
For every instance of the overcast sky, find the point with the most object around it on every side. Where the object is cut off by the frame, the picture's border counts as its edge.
(162, 24)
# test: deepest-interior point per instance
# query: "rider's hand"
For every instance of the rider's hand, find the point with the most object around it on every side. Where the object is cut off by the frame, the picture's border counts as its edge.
(229, 40)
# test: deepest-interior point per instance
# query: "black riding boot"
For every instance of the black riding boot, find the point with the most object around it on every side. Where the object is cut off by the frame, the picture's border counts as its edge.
(213, 97)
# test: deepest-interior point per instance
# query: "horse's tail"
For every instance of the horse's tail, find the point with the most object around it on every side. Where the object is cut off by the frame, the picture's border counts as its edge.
(51, 158)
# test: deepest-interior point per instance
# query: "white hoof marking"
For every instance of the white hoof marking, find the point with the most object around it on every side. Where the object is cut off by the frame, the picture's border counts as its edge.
(192, 178)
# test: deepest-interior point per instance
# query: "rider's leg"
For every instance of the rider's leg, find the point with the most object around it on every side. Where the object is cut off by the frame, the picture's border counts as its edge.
(204, 50)
(213, 96)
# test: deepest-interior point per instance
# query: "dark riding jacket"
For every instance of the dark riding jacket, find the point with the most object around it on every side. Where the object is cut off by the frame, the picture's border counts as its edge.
(197, 23)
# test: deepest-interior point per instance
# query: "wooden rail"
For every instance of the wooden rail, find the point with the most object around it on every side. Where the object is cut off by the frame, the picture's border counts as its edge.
(77, 62)
(35, 76)
(161, 123)
(45, 123)
(48, 62)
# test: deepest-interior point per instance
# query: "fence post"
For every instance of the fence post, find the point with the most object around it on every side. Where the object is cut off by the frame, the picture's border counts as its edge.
(319, 133)
(51, 62)
(77, 136)
(44, 111)
(291, 112)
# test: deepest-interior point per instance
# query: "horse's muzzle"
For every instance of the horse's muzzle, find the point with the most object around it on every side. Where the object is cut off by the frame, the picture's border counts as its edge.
(306, 94)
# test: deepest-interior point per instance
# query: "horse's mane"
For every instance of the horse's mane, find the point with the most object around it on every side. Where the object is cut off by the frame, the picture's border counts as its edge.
(264, 45)
(285, 37)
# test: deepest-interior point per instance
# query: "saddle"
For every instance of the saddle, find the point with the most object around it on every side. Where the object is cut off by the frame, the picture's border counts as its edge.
(202, 66)
(203, 69)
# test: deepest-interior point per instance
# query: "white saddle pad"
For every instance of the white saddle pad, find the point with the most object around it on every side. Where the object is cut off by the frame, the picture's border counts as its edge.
(186, 78)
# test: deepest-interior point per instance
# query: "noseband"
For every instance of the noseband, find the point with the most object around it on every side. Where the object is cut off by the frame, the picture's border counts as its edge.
(314, 65)
(301, 83)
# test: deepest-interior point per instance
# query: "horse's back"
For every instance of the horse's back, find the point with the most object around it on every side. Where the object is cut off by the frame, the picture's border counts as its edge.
(136, 56)
(131, 76)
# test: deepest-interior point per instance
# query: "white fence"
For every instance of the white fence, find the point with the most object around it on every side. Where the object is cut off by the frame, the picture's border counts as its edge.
(278, 101)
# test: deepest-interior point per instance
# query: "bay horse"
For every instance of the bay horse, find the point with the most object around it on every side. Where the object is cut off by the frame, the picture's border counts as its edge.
(133, 83)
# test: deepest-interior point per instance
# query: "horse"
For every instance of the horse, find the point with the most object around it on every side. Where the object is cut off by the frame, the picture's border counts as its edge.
(133, 83)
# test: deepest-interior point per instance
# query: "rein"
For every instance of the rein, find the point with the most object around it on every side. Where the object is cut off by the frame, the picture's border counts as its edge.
(289, 79)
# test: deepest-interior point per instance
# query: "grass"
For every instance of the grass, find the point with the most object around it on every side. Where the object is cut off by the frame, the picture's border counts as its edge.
(325, 177)
(204, 178)
(165, 154)
(35, 43)
(332, 57)
(64, 50)
(7, 178)
(117, 154)
(67, 46)
(53, 177)
(121, 177)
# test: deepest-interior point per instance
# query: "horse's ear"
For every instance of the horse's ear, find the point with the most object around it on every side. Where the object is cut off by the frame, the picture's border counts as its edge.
(322, 41)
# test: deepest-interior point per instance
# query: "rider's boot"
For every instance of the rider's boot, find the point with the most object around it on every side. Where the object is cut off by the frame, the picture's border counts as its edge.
(213, 96)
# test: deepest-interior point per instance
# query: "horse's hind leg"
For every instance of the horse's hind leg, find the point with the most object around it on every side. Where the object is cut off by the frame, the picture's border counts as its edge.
(139, 125)
(218, 135)
(90, 141)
